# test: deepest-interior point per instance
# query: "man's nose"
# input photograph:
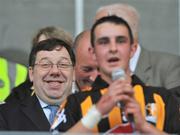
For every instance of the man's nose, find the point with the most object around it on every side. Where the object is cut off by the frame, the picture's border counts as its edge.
(113, 47)
(54, 69)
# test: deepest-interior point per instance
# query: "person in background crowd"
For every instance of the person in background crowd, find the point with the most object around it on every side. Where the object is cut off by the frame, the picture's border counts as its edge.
(154, 68)
(11, 75)
(52, 32)
(86, 69)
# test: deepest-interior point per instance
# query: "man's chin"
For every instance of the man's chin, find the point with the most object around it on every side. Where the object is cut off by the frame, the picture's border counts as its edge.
(54, 100)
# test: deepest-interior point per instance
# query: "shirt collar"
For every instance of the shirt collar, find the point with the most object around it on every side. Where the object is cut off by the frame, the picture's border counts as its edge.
(42, 103)
(134, 59)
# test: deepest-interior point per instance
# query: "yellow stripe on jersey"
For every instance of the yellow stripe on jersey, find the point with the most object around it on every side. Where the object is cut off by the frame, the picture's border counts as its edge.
(103, 91)
(139, 96)
(114, 116)
(161, 111)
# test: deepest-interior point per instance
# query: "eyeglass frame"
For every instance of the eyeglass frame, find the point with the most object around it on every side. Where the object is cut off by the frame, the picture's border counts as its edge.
(49, 65)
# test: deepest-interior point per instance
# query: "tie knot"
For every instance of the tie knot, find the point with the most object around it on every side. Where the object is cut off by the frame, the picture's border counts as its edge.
(53, 109)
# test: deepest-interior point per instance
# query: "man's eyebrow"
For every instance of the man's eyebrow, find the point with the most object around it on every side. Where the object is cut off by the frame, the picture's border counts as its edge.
(102, 39)
(44, 58)
(87, 68)
(121, 36)
(65, 58)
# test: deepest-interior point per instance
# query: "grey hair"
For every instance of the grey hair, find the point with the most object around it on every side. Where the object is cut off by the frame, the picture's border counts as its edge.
(121, 10)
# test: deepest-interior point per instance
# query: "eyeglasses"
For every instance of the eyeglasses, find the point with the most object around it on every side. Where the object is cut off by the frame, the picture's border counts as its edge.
(48, 66)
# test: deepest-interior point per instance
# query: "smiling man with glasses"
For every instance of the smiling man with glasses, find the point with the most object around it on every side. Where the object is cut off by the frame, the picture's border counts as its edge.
(51, 83)
(51, 67)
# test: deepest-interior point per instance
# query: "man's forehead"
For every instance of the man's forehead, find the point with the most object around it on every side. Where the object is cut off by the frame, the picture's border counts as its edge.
(57, 52)
(110, 29)
(84, 57)
(107, 23)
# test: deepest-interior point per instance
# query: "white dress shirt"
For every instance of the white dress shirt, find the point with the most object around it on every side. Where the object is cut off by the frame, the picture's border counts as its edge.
(44, 107)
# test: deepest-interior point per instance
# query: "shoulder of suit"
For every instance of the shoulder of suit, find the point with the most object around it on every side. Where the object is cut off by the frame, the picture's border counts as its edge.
(161, 56)
(159, 90)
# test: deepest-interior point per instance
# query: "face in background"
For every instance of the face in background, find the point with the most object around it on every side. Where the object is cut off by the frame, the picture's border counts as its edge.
(52, 85)
(112, 48)
(86, 67)
(101, 14)
(49, 32)
(125, 11)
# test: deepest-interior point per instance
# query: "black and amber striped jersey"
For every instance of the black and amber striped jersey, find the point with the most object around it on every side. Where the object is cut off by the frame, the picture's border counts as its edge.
(158, 106)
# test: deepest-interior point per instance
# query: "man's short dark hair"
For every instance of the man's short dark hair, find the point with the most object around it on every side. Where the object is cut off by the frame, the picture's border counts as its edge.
(111, 19)
(49, 45)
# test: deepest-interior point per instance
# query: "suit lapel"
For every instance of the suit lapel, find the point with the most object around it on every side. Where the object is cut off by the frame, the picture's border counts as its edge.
(32, 109)
(143, 68)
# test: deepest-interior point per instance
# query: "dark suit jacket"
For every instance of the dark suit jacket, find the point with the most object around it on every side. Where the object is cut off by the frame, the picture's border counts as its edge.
(20, 92)
(23, 115)
(158, 69)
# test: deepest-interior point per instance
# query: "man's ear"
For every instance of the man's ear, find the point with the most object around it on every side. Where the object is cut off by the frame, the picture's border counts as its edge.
(92, 52)
(133, 49)
(74, 74)
(31, 73)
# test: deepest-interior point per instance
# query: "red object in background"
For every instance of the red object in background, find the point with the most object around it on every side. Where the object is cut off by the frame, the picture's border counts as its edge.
(122, 128)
